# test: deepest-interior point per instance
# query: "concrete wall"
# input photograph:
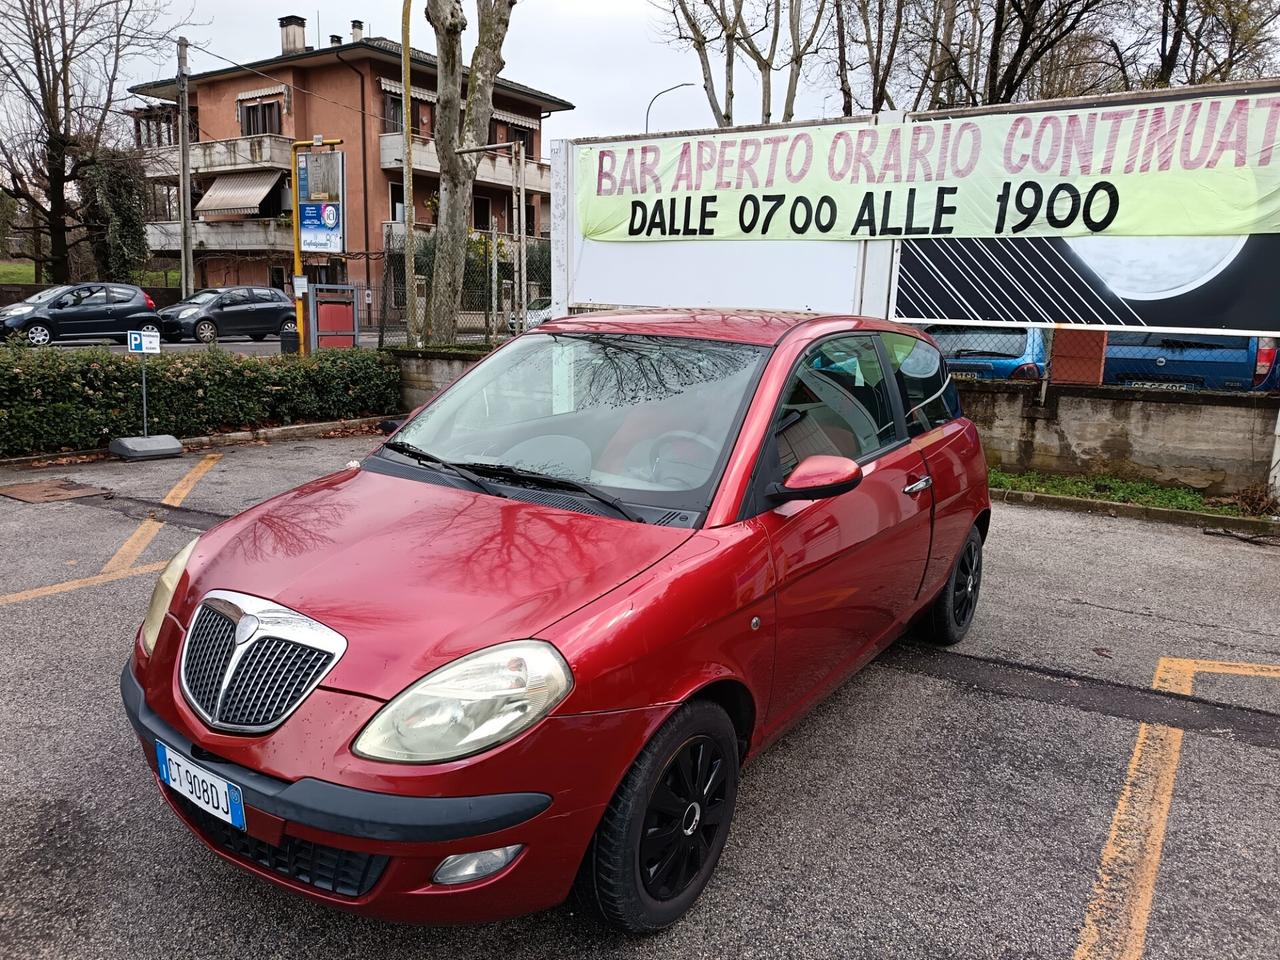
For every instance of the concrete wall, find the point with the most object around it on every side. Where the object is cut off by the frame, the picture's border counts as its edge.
(424, 373)
(1216, 442)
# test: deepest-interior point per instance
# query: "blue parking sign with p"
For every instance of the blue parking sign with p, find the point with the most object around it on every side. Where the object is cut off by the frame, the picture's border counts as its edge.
(144, 341)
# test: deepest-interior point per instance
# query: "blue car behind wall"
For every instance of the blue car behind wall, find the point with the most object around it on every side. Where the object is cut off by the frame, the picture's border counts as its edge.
(1165, 361)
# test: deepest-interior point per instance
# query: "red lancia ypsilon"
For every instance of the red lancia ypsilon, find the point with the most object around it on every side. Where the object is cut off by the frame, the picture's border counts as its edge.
(530, 641)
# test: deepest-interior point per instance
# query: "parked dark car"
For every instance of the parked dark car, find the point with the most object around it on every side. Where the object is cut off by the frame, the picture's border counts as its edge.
(217, 312)
(81, 311)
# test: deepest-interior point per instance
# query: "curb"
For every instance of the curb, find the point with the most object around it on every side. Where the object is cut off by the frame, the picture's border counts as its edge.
(293, 431)
(1256, 526)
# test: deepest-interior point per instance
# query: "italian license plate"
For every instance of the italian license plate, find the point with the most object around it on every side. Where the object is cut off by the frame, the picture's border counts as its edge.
(1158, 385)
(963, 375)
(208, 792)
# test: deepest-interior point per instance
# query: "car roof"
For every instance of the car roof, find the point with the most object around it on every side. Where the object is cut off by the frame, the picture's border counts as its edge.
(762, 327)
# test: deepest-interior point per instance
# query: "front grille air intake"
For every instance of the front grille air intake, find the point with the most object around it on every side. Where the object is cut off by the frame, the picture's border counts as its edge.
(248, 663)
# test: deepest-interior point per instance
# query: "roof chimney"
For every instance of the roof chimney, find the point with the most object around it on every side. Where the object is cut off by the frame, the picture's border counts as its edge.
(335, 39)
(357, 31)
(293, 35)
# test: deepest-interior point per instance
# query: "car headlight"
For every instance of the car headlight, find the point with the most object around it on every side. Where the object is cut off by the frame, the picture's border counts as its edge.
(469, 705)
(162, 596)
(188, 312)
(17, 310)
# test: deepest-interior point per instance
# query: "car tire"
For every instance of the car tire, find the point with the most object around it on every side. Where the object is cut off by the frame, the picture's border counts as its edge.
(38, 334)
(206, 331)
(289, 325)
(952, 613)
(643, 887)
(149, 325)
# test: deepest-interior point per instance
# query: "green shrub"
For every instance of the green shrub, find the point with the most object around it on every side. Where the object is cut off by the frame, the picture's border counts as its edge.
(53, 399)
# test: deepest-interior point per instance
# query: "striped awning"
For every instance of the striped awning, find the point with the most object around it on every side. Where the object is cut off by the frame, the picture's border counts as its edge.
(419, 93)
(262, 92)
(238, 193)
(517, 120)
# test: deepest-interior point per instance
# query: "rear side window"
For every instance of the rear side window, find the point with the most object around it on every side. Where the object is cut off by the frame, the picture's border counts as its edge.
(122, 294)
(929, 397)
(264, 295)
(837, 403)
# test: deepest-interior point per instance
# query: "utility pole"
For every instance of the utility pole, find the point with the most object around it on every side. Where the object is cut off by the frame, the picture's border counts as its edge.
(522, 298)
(406, 114)
(184, 171)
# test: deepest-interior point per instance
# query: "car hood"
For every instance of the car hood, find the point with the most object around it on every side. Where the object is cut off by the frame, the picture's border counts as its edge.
(415, 574)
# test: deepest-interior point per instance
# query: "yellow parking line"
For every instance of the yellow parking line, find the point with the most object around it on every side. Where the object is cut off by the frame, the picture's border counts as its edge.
(141, 538)
(96, 579)
(1115, 920)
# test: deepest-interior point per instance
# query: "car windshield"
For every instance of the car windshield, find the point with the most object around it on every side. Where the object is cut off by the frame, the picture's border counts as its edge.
(955, 341)
(542, 303)
(649, 420)
(44, 296)
(201, 296)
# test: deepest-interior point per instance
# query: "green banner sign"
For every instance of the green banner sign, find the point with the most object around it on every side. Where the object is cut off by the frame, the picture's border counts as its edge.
(1208, 166)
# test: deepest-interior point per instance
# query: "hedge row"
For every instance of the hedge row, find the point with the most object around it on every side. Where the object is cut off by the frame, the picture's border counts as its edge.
(54, 399)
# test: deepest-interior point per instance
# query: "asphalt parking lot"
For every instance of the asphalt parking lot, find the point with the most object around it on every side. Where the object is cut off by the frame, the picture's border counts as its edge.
(1094, 773)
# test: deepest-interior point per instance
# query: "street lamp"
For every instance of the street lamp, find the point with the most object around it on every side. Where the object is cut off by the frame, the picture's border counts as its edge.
(656, 96)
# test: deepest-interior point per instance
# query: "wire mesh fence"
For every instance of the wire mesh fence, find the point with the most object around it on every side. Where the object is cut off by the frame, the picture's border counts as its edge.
(1139, 359)
(490, 308)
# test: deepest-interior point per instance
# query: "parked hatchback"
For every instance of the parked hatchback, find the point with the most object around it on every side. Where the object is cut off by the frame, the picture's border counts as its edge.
(81, 311)
(215, 312)
(991, 353)
(534, 635)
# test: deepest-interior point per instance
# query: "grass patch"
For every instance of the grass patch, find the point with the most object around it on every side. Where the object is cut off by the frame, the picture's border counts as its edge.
(1114, 490)
(24, 271)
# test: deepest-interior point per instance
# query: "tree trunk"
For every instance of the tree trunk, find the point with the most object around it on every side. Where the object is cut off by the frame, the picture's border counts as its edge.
(457, 171)
(842, 62)
(58, 267)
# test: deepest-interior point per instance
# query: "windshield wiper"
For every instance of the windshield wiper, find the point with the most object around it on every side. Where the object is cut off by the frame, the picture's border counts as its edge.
(971, 352)
(423, 456)
(551, 480)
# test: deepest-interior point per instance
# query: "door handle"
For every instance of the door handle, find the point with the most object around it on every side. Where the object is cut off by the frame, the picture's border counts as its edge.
(924, 483)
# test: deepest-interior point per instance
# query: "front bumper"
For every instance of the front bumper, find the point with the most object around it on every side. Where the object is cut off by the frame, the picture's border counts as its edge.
(375, 853)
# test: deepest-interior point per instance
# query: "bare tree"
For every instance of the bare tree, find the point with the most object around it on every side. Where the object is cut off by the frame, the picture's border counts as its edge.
(770, 35)
(458, 130)
(1200, 41)
(61, 62)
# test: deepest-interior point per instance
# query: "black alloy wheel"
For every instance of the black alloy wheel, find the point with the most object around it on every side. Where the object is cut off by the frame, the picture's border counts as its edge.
(662, 834)
(968, 581)
(684, 817)
(952, 613)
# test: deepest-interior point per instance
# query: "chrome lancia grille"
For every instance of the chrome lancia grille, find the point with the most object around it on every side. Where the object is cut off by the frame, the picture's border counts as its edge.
(248, 663)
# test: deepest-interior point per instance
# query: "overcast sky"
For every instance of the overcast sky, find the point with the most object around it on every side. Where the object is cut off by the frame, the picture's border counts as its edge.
(605, 56)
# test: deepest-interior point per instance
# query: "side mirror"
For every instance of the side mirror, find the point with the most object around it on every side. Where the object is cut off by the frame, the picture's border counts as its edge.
(817, 478)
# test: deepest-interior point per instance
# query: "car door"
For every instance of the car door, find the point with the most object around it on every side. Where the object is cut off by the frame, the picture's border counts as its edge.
(126, 303)
(234, 313)
(849, 567)
(948, 443)
(84, 311)
(268, 310)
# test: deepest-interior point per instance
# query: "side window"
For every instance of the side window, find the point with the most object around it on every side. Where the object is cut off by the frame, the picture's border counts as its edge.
(88, 296)
(837, 403)
(234, 298)
(929, 397)
(121, 294)
(263, 295)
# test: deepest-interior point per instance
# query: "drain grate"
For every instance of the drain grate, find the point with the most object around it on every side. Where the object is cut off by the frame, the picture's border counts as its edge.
(49, 491)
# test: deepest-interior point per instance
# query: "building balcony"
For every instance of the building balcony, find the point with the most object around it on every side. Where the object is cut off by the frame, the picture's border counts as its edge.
(272, 234)
(494, 169)
(263, 151)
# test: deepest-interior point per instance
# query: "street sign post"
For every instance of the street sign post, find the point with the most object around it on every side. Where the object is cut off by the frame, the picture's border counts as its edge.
(145, 447)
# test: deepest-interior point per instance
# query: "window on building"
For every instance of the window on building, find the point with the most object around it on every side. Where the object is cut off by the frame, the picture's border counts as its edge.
(529, 225)
(928, 394)
(481, 213)
(277, 278)
(259, 118)
(525, 137)
(397, 202)
(392, 113)
(838, 403)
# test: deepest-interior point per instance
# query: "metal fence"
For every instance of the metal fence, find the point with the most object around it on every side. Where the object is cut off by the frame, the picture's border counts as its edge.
(490, 309)
(1137, 358)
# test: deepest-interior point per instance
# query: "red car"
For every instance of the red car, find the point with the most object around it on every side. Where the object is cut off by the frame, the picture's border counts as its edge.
(533, 637)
